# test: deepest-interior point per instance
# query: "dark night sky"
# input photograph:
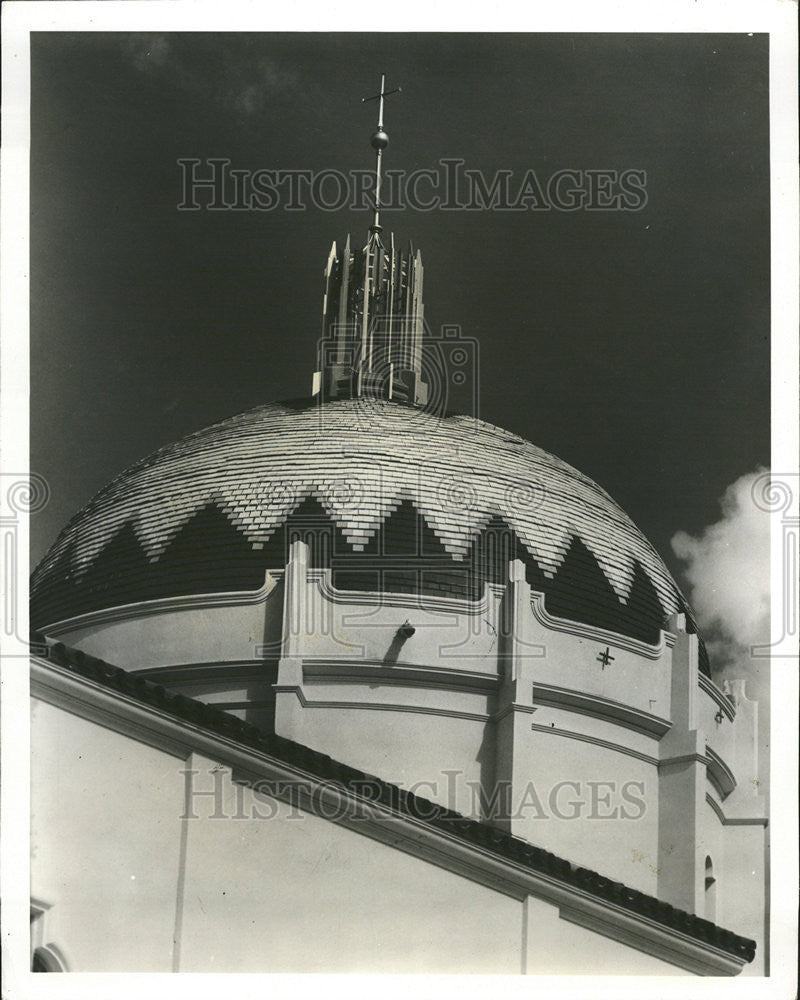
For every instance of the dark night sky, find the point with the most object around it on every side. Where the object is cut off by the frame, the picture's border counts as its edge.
(635, 345)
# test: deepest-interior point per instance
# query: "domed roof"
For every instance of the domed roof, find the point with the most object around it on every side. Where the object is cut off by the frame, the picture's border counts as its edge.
(357, 462)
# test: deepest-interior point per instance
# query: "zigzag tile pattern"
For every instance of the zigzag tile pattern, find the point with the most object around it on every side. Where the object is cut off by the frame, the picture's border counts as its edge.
(210, 512)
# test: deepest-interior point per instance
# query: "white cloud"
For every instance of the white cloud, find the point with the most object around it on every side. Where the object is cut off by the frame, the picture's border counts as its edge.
(728, 570)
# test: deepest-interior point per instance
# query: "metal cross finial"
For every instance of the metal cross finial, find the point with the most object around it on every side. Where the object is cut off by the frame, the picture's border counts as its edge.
(379, 142)
(605, 657)
(379, 97)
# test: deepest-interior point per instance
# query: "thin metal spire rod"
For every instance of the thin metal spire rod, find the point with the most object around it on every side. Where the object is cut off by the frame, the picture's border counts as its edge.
(379, 142)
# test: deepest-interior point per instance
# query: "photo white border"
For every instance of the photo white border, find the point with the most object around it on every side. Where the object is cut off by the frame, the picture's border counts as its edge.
(776, 17)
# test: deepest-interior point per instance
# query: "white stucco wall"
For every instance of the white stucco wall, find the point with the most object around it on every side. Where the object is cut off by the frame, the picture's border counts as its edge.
(135, 885)
(610, 759)
(105, 839)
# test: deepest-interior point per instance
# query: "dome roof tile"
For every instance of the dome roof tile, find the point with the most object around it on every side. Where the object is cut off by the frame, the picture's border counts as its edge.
(361, 460)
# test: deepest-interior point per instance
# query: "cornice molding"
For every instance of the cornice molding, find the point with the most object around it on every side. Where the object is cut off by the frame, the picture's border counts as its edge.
(203, 670)
(601, 708)
(684, 758)
(735, 820)
(719, 773)
(378, 706)
(721, 699)
(233, 706)
(596, 741)
(164, 605)
(406, 674)
(323, 578)
(514, 707)
(675, 948)
(603, 636)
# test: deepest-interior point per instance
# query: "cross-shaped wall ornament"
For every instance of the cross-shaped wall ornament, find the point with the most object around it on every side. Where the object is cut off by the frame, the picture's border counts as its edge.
(605, 657)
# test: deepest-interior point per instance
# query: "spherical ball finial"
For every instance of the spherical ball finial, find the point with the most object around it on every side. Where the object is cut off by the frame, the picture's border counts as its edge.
(379, 140)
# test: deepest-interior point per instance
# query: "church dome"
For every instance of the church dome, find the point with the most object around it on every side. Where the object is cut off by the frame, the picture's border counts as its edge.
(408, 501)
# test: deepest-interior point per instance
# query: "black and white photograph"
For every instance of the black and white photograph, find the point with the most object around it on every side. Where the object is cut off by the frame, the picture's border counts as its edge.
(399, 499)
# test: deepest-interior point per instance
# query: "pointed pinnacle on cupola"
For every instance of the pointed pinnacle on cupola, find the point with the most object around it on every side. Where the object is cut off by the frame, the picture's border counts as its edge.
(373, 314)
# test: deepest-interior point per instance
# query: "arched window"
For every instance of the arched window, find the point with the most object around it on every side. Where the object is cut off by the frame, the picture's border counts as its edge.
(44, 957)
(42, 962)
(711, 890)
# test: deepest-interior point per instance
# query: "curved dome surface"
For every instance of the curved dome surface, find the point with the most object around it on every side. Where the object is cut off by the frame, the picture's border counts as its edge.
(219, 498)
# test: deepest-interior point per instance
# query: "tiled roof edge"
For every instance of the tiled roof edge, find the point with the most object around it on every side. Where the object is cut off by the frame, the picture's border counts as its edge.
(325, 768)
